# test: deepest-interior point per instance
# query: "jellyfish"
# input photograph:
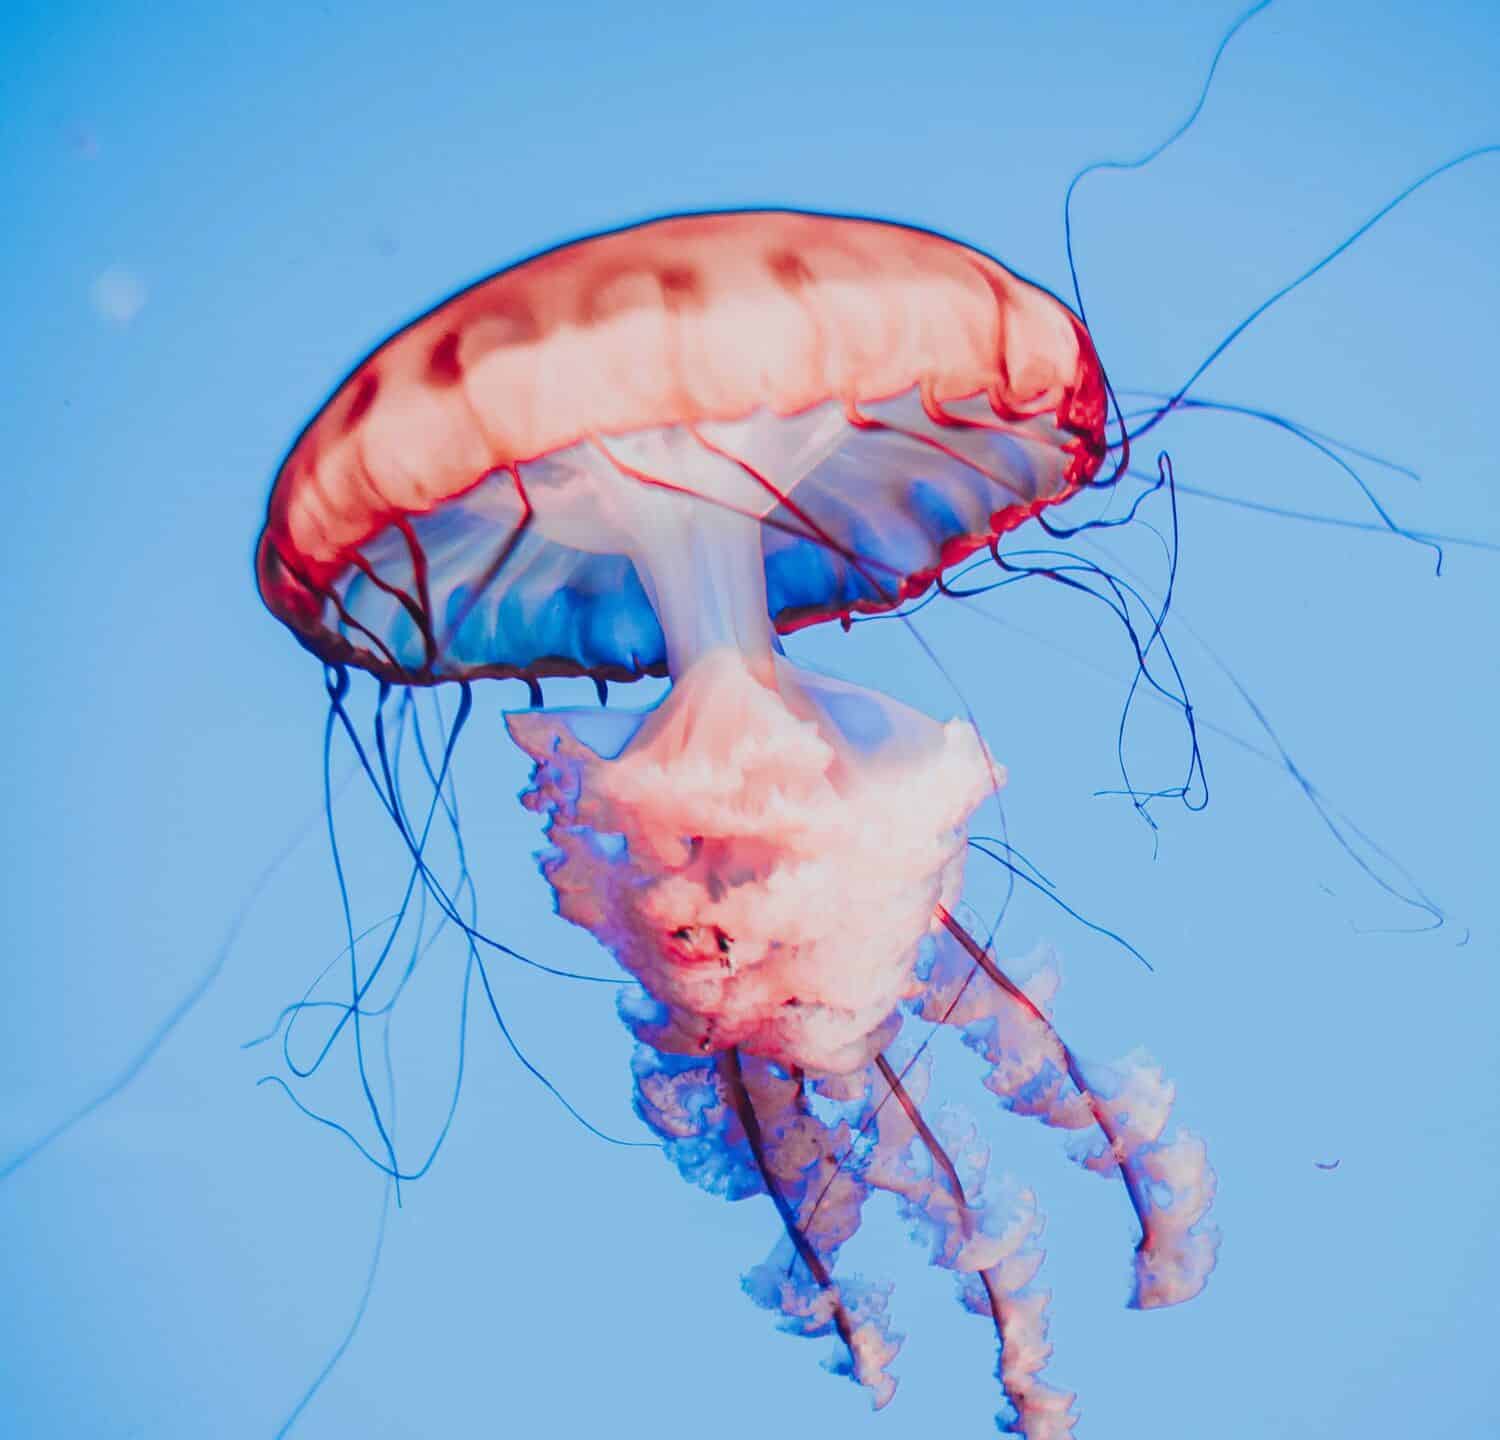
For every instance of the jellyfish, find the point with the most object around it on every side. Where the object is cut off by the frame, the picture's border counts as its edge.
(655, 452)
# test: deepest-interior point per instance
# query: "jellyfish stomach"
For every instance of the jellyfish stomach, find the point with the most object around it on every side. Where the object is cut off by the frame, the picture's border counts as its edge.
(765, 854)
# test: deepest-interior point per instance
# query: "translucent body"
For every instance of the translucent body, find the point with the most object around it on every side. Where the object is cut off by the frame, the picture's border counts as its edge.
(653, 452)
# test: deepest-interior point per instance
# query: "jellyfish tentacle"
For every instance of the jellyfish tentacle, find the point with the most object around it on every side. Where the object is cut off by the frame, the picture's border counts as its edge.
(1102, 1118)
(1176, 1250)
(744, 1109)
(872, 1113)
(995, 1270)
(870, 1346)
(940, 1156)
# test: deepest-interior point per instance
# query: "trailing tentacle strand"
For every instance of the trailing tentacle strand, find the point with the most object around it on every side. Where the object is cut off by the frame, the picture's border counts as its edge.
(1168, 1180)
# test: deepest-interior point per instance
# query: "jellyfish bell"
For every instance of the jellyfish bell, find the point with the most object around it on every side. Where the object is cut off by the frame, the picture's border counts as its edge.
(548, 423)
(654, 452)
